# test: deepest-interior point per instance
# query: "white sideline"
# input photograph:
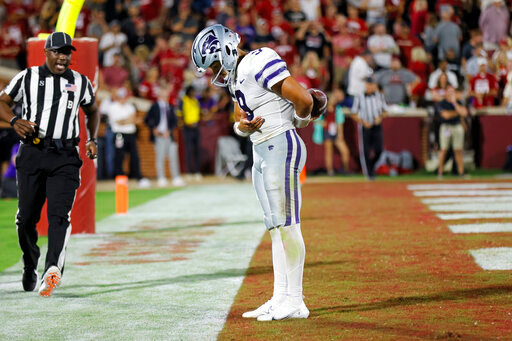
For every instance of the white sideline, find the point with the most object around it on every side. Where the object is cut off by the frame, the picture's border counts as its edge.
(215, 228)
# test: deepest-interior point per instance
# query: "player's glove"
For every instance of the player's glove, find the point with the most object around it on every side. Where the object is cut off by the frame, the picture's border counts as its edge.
(319, 103)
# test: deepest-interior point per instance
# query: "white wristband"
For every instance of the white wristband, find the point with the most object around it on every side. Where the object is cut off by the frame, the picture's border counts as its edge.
(301, 122)
(238, 131)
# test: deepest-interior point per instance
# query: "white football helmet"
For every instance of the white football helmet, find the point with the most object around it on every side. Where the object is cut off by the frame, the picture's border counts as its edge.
(216, 43)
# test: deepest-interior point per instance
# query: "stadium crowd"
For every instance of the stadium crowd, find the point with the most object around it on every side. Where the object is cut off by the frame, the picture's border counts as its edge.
(416, 49)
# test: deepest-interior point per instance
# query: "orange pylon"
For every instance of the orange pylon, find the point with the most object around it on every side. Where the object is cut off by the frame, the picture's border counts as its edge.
(121, 194)
(303, 176)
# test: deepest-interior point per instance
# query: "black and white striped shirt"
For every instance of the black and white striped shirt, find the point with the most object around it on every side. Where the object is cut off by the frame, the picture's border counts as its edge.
(369, 106)
(51, 101)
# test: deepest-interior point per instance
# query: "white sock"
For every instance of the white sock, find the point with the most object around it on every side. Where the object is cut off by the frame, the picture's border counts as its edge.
(295, 252)
(279, 264)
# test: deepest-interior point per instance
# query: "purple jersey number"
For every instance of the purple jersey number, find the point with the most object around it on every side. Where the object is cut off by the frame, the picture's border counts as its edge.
(240, 98)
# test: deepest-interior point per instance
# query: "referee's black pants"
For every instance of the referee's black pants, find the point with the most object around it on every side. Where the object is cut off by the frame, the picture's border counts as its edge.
(42, 174)
(372, 141)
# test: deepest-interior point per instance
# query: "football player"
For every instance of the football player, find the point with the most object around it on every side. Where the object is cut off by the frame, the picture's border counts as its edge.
(269, 104)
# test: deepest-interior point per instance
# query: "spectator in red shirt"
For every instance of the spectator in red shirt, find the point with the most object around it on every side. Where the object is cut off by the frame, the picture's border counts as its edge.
(420, 63)
(345, 46)
(245, 6)
(406, 42)
(484, 87)
(355, 24)
(150, 9)
(114, 76)
(421, 67)
(419, 16)
(286, 49)
(82, 22)
(315, 71)
(279, 25)
(297, 73)
(170, 59)
(9, 49)
(16, 28)
(329, 20)
(149, 88)
(266, 9)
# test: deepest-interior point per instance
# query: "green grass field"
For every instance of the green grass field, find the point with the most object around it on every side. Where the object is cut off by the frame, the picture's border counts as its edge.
(10, 252)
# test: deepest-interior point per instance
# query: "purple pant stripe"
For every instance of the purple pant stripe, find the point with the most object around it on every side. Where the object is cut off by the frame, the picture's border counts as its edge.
(287, 179)
(296, 172)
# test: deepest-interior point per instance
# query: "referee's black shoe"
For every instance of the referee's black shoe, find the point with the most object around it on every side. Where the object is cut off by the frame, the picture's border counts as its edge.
(29, 279)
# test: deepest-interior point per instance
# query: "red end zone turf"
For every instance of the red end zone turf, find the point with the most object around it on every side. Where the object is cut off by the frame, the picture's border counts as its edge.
(381, 265)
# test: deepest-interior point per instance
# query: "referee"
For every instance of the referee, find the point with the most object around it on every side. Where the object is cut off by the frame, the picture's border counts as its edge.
(370, 108)
(48, 162)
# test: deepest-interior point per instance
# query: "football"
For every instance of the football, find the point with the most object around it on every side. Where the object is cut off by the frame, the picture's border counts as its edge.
(319, 103)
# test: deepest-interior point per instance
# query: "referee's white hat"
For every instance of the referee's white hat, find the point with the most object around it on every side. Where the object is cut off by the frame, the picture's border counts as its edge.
(58, 40)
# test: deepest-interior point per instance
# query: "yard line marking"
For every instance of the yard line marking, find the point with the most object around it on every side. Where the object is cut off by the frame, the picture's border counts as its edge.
(473, 201)
(476, 215)
(441, 193)
(481, 228)
(495, 258)
(447, 200)
(460, 186)
(470, 207)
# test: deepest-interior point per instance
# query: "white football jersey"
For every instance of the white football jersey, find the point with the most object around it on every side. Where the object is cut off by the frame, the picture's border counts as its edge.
(256, 73)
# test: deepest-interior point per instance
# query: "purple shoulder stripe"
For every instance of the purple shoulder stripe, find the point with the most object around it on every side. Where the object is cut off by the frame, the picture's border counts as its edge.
(273, 75)
(269, 64)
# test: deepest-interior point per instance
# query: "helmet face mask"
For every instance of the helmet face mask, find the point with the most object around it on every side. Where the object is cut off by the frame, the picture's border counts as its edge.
(216, 43)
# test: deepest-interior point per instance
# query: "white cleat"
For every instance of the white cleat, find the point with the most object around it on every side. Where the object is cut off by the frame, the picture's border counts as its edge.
(264, 309)
(287, 310)
(162, 182)
(50, 281)
(178, 182)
